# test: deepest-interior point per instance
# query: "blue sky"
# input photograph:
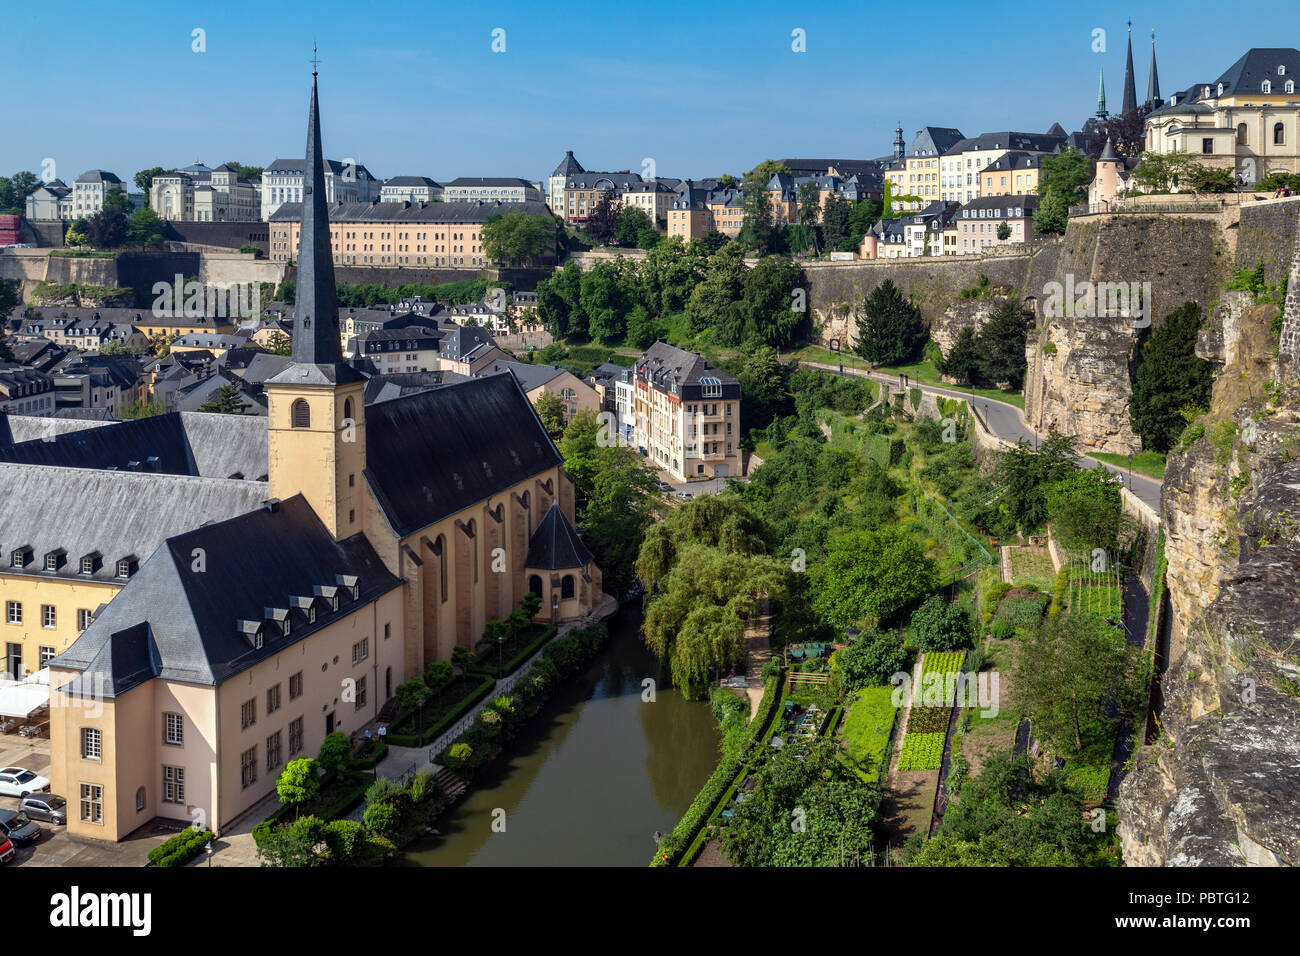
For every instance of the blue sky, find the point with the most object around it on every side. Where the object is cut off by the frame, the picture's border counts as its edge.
(412, 88)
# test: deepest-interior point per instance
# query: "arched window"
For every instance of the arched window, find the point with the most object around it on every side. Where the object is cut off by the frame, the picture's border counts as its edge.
(347, 411)
(566, 587)
(526, 499)
(1242, 137)
(535, 584)
(1279, 134)
(300, 414)
(440, 548)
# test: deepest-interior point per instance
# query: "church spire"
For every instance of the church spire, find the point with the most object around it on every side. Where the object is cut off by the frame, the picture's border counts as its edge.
(1101, 95)
(1130, 90)
(1153, 82)
(315, 326)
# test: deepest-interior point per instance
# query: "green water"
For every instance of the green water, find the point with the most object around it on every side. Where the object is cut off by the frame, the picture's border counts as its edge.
(591, 777)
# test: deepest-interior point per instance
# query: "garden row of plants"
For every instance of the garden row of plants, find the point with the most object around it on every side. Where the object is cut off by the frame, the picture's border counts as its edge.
(180, 849)
(927, 724)
(734, 763)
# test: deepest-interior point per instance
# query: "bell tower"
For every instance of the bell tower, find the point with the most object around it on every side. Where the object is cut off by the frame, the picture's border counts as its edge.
(316, 418)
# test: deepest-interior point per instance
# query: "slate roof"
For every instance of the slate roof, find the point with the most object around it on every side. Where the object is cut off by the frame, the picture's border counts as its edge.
(411, 181)
(661, 362)
(178, 624)
(934, 141)
(21, 428)
(185, 443)
(459, 341)
(300, 166)
(529, 376)
(1015, 160)
(555, 546)
(1010, 140)
(98, 176)
(385, 388)
(490, 181)
(568, 165)
(1255, 66)
(114, 513)
(432, 454)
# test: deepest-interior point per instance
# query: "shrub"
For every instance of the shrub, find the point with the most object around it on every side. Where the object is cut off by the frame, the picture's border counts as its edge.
(459, 755)
(940, 626)
(334, 752)
(181, 848)
(382, 818)
(1002, 629)
(343, 837)
(384, 790)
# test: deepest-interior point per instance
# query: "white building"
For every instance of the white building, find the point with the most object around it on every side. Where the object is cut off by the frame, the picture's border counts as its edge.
(282, 182)
(89, 190)
(489, 189)
(410, 189)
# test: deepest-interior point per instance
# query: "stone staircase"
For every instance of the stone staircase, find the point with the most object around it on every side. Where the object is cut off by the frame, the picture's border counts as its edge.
(451, 784)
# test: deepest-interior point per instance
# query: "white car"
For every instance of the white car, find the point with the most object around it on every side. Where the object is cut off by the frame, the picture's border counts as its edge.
(17, 782)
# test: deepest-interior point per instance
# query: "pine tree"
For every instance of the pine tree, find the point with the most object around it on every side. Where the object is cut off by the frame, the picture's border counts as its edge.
(227, 402)
(1169, 377)
(1000, 345)
(893, 330)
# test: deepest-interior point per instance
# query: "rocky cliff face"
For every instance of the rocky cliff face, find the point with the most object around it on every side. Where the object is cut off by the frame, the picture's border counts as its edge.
(1219, 785)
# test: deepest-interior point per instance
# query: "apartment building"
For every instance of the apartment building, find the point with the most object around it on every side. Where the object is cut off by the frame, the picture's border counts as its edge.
(345, 182)
(687, 414)
(489, 189)
(918, 172)
(979, 223)
(961, 166)
(410, 189)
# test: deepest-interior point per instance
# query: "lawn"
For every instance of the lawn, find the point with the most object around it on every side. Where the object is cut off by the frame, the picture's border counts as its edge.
(1032, 566)
(1149, 463)
(867, 729)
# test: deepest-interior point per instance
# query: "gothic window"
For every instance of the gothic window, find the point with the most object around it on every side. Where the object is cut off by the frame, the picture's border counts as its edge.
(347, 410)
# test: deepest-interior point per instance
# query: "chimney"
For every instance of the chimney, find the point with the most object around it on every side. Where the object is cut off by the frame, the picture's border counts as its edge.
(271, 504)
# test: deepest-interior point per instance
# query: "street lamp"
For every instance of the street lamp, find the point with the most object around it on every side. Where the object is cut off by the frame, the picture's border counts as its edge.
(1130, 471)
(501, 639)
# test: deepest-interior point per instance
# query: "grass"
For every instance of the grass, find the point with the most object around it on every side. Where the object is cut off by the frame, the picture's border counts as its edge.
(1149, 463)
(867, 729)
(923, 372)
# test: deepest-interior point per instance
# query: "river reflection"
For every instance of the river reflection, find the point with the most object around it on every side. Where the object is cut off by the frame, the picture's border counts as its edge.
(591, 777)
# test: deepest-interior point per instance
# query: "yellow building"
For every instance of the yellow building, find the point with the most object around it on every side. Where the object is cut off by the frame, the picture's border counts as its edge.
(918, 173)
(376, 545)
(1012, 174)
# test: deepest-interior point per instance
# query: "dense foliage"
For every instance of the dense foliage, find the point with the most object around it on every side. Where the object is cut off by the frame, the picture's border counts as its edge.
(1168, 378)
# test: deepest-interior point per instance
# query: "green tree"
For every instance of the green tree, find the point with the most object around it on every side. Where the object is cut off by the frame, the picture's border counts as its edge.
(1061, 180)
(872, 659)
(938, 625)
(551, 412)
(1022, 475)
(279, 344)
(1161, 172)
(963, 360)
(144, 178)
(1169, 376)
(14, 191)
(1076, 679)
(870, 576)
(758, 229)
(78, 234)
(631, 221)
(334, 753)
(767, 301)
(145, 229)
(715, 303)
(298, 783)
(642, 330)
(601, 294)
(108, 228)
(229, 401)
(602, 223)
(836, 222)
(1000, 345)
(517, 237)
(1086, 509)
(810, 203)
(892, 330)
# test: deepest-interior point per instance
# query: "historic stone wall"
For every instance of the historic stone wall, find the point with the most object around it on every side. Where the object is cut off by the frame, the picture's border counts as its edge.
(1267, 234)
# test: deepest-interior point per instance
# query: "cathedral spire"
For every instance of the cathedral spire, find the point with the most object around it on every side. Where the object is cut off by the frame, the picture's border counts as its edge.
(315, 326)
(1130, 90)
(1101, 95)
(1153, 82)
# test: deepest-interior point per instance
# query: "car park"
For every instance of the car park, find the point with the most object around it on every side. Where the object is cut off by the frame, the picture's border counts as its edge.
(17, 782)
(18, 827)
(49, 807)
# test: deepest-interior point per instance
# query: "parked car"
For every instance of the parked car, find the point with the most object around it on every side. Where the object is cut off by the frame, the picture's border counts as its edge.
(17, 782)
(685, 495)
(49, 807)
(663, 486)
(18, 828)
(6, 850)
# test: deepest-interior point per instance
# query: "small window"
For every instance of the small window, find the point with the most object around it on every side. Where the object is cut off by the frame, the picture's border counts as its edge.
(84, 617)
(139, 800)
(48, 616)
(91, 740)
(173, 729)
(124, 568)
(300, 414)
(87, 565)
(1279, 134)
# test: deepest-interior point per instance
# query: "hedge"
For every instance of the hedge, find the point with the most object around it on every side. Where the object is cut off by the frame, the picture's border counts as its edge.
(339, 808)
(372, 761)
(180, 849)
(688, 828)
(484, 663)
(456, 713)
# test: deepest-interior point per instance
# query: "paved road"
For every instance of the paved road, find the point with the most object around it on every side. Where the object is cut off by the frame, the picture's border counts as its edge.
(1006, 421)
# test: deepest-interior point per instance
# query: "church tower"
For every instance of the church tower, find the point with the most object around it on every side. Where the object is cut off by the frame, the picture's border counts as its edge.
(1130, 90)
(316, 428)
(1153, 81)
(1101, 96)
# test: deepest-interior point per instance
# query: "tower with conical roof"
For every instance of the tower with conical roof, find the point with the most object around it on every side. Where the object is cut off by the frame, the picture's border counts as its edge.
(1130, 90)
(316, 406)
(1153, 81)
(1105, 186)
(1101, 95)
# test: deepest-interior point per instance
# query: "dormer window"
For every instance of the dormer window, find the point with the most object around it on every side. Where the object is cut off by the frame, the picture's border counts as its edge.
(20, 557)
(1281, 71)
(334, 603)
(90, 563)
(1289, 87)
(311, 618)
(126, 566)
(54, 559)
(1266, 86)
(288, 622)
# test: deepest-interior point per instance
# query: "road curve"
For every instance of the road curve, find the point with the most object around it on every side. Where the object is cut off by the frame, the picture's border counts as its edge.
(1007, 422)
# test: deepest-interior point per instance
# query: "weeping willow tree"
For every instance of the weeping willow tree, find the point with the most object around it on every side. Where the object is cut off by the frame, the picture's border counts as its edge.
(706, 571)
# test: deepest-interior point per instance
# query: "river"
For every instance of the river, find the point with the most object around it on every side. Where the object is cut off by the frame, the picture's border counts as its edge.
(590, 778)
